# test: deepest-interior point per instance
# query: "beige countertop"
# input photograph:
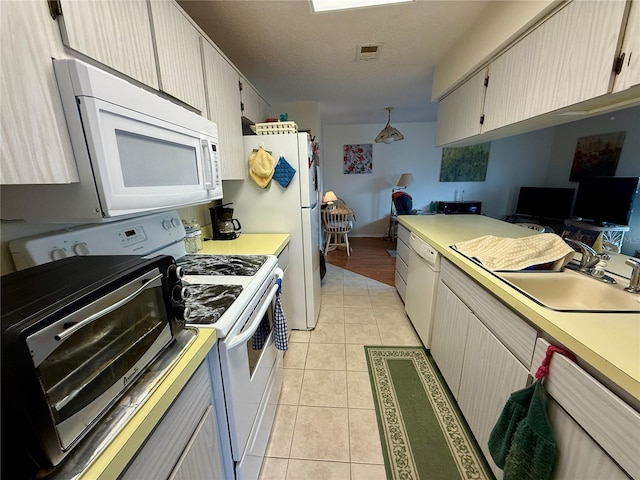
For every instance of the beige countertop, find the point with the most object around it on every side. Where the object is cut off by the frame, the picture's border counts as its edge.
(115, 457)
(610, 343)
(248, 244)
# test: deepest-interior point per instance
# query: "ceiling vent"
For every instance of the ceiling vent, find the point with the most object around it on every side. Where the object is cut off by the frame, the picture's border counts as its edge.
(369, 51)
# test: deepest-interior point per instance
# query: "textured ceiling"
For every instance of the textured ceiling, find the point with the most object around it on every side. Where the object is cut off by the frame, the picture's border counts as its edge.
(291, 54)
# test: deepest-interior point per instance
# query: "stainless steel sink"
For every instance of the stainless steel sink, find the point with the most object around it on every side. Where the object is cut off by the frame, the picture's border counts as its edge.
(573, 292)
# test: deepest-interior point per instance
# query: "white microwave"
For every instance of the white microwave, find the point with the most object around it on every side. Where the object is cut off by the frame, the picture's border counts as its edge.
(135, 151)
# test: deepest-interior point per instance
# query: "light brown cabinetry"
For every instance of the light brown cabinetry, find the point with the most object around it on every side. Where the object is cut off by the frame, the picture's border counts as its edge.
(178, 53)
(629, 75)
(114, 33)
(34, 143)
(223, 97)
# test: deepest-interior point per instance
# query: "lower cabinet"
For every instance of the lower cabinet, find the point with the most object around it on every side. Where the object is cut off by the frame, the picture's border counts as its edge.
(402, 261)
(449, 339)
(185, 443)
(196, 460)
(485, 352)
(489, 374)
(479, 370)
(597, 433)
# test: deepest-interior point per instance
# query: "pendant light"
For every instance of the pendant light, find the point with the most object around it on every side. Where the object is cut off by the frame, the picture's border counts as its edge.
(388, 133)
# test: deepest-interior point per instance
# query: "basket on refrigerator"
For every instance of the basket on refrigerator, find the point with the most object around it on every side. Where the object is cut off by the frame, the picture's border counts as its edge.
(275, 128)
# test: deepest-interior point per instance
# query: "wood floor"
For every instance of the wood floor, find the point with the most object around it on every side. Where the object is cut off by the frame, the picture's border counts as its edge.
(369, 257)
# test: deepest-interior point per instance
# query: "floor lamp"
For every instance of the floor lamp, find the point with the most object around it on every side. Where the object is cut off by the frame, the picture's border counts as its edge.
(404, 181)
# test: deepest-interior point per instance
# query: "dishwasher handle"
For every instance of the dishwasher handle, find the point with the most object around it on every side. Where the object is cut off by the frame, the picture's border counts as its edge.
(424, 250)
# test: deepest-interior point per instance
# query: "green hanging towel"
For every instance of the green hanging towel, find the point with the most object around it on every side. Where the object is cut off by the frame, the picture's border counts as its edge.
(521, 442)
(533, 449)
(514, 411)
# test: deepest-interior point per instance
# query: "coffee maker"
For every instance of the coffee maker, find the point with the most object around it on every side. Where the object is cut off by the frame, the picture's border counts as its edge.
(224, 226)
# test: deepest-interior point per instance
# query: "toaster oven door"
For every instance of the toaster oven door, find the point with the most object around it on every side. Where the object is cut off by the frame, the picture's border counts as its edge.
(86, 360)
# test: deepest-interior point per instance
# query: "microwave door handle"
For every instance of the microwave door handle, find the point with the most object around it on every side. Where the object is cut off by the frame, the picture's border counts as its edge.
(207, 164)
(247, 334)
(73, 328)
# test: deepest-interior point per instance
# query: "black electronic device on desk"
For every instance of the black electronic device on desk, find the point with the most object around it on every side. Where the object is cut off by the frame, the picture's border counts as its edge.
(452, 208)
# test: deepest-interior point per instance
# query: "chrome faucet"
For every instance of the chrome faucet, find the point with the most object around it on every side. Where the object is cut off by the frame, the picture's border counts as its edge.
(590, 257)
(634, 280)
(589, 261)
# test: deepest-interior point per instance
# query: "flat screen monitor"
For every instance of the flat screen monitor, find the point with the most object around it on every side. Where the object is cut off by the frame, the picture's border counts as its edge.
(603, 200)
(545, 202)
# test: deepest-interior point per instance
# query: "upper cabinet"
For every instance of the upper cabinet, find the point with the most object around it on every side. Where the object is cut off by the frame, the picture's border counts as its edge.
(115, 33)
(253, 106)
(566, 60)
(460, 112)
(153, 42)
(34, 141)
(121, 35)
(178, 52)
(629, 59)
(223, 97)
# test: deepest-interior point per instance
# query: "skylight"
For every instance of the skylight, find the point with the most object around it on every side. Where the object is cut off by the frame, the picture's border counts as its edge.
(332, 5)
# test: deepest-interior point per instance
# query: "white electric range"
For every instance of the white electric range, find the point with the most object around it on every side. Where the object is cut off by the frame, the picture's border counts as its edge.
(235, 294)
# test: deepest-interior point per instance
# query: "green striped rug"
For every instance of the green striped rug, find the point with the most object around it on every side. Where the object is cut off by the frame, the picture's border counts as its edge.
(422, 431)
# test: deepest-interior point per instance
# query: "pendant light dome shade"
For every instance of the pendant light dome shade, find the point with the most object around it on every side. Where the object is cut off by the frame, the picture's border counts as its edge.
(388, 133)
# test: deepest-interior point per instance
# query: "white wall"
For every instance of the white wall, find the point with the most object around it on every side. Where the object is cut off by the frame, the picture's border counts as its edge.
(512, 162)
(541, 158)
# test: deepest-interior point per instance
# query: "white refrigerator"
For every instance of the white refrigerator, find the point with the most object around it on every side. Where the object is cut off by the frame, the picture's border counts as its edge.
(294, 210)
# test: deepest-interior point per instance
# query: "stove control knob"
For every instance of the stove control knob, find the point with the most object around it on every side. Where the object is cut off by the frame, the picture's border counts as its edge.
(176, 222)
(166, 224)
(81, 249)
(58, 253)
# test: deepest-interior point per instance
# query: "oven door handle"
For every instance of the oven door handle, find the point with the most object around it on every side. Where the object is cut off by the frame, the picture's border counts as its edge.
(247, 334)
(75, 327)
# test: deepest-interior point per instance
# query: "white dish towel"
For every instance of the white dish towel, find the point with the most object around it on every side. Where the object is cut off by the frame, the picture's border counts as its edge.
(500, 253)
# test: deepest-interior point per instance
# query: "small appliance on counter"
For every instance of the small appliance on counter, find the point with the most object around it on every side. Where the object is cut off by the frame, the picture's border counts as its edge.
(76, 334)
(224, 226)
(452, 208)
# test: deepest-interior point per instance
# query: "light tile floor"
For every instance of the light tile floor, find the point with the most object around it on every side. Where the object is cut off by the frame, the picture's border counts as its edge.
(325, 426)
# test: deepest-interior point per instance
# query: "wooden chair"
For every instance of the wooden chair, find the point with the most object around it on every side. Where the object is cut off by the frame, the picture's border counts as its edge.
(337, 221)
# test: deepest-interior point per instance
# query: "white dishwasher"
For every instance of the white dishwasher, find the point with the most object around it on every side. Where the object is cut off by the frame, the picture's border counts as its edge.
(422, 280)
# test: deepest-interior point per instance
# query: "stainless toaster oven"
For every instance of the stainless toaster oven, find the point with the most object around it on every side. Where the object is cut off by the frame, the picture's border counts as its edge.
(76, 333)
